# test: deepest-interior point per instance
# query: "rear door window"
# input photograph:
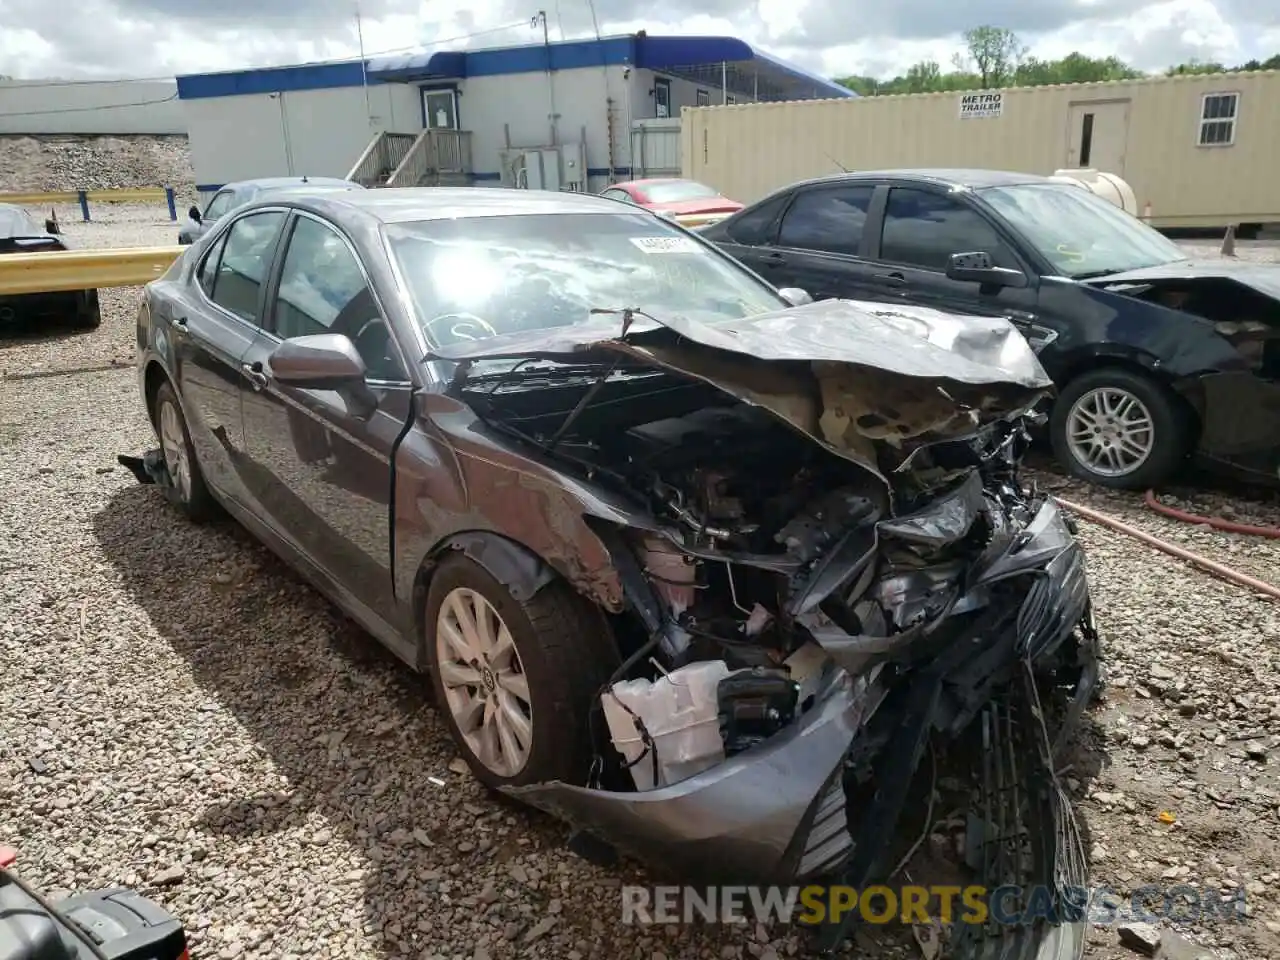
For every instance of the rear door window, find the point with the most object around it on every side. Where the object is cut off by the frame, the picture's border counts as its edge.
(757, 226)
(830, 219)
(246, 257)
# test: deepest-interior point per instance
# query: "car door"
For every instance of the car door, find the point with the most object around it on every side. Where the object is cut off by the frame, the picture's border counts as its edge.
(211, 331)
(814, 238)
(322, 470)
(920, 229)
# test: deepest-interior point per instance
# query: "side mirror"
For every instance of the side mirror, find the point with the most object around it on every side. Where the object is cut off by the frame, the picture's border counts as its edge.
(51, 226)
(325, 361)
(194, 214)
(795, 296)
(978, 268)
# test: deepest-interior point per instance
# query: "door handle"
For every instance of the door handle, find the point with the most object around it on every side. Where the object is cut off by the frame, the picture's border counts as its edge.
(253, 373)
(775, 259)
(894, 279)
(180, 322)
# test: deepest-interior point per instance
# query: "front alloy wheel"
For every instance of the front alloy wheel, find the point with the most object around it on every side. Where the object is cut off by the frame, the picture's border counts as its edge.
(485, 686)
(1111, 432)
(1120, 428)
(515, 676)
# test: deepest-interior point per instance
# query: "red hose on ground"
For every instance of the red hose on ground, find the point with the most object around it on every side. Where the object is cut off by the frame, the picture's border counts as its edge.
(1212, 566)
(1216, 522)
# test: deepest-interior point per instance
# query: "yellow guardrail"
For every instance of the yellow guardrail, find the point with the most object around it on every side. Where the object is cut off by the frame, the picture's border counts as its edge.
(59, 270)
(84, 197)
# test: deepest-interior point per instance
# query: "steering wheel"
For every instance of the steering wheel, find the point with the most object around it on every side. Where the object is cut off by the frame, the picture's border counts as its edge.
(464, 326)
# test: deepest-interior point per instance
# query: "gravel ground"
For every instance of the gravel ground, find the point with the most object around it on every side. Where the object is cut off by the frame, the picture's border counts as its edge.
(182, 715)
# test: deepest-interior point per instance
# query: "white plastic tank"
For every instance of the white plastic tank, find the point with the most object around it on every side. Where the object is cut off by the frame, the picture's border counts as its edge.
(681, 714)
(1105, 185)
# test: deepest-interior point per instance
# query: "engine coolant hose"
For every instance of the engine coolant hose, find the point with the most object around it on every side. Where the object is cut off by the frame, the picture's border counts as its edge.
(1212, 566)
(1217, 523)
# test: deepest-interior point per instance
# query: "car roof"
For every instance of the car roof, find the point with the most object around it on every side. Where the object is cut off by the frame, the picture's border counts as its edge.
(264, 183)
(408, 204)
(974, 179)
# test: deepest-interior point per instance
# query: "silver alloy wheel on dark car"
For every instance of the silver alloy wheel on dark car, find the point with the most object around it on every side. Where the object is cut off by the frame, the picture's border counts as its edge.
(1110, 431)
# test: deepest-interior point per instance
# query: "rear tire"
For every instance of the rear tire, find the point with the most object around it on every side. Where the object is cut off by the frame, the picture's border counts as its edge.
(88, 310)
(544, 661)
(1120, 429)
(188, 491)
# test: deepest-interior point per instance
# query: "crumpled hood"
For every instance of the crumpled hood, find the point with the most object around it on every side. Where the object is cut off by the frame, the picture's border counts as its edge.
(846, 373)
(1263, 277)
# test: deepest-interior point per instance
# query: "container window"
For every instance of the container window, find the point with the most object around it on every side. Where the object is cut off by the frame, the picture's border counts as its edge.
(1218, 115)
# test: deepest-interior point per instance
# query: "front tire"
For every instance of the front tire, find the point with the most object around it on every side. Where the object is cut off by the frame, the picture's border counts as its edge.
(514, 680)
(188, 491)
(1119, 429)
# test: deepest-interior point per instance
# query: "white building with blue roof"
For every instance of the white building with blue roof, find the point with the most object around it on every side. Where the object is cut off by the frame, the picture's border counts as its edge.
(572, 115)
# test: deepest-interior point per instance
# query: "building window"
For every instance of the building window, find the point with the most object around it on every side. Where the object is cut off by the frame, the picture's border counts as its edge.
(662, 98)
(702, 98)
(1218, 115)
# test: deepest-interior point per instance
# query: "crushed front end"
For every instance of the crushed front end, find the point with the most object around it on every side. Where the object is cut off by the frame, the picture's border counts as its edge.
(828, 572)
(772, 730)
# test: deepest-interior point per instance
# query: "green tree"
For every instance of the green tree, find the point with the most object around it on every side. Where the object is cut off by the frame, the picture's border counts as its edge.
(995, 52)
(999, 59)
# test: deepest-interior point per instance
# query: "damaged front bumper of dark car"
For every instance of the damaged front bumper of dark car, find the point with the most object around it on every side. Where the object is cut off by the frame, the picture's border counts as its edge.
(839, 572)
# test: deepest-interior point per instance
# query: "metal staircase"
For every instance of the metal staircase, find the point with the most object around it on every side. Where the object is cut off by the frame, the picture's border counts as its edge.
(432, 158)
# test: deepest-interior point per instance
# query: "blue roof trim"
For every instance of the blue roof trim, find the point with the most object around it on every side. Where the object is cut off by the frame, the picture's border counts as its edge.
(310, 76)
(653, 53)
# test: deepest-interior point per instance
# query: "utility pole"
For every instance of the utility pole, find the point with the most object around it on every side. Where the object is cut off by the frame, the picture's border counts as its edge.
(551, 83)
(364, 67)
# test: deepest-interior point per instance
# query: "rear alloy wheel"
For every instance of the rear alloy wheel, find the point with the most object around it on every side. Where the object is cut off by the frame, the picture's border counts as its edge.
(514, 679)
(1119, 429)
(187, 491)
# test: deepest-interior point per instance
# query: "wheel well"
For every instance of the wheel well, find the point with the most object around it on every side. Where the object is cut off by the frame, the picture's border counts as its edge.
(155, 378)
(509, 562)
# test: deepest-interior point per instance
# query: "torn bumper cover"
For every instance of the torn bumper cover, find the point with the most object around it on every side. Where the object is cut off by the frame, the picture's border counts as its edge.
(785, 811)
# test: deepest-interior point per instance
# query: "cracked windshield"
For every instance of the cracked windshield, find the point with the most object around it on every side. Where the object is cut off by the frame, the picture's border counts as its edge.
(1080, 234)
(484, 277)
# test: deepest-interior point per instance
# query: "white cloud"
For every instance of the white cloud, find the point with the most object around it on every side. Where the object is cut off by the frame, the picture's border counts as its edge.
(119, 38)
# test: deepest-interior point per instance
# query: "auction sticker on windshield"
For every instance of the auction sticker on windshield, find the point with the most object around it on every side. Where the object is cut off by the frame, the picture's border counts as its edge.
(666, 244)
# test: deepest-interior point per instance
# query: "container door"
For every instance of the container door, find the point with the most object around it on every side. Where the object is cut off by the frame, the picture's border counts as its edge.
(1099, 135)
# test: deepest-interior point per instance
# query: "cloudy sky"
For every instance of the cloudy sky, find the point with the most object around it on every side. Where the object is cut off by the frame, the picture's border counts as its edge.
(144, 38)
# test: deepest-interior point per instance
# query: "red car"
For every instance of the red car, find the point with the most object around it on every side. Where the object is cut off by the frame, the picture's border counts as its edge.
(689, 203)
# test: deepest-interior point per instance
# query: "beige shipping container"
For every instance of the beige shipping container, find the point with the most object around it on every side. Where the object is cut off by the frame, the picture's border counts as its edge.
(1199, 151)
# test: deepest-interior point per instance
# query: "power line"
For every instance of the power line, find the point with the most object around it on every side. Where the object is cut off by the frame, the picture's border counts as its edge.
(21, 85)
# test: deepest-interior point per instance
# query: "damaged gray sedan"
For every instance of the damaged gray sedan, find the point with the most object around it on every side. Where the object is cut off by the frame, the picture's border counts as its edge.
(697, 566)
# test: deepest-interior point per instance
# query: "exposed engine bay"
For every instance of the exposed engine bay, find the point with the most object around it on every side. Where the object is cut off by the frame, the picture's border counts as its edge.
(769, 555)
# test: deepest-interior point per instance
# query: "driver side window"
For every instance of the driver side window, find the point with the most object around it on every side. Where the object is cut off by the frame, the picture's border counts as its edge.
(923, 229)
(323, 290)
